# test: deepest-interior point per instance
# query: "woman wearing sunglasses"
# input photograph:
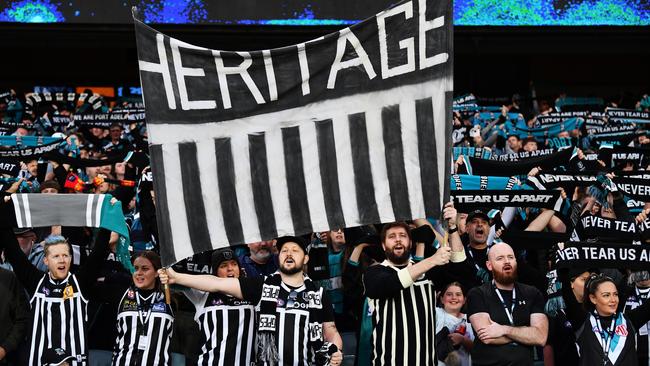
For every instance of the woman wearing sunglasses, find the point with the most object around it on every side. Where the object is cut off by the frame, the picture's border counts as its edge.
(607, 336)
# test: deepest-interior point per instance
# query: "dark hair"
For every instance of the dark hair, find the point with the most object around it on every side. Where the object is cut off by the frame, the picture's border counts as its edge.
(402, 224)
(152, 256)
(50, 184)
(455, 283)
(591, 286)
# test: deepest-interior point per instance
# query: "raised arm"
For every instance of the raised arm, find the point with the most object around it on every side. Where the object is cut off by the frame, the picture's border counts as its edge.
(87, 274)
(27, 273)
(207, 283)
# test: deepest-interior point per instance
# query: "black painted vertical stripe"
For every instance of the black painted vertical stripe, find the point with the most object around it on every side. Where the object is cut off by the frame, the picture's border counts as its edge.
(428, 157)
(449, 97)
(228, 191)
(295, 174)
(261, 187)
(365, 189)
(197, 223)
(167, 250)
(394, 152)
(232, 315)
(329, 173)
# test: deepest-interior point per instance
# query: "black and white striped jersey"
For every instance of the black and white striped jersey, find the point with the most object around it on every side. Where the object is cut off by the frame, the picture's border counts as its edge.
(403, 320)
(227, 327)
(59, 318)
(144, 329)
(293, 318)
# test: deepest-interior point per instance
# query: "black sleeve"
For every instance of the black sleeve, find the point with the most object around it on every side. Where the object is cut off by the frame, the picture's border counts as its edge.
(251, 288)
(537, 302)
(381, 282)
(18, 307)
(463, 272)
(89, 271)
(60, 174)
(620, 208)
(328, 308)
(640, 315)
(126, 194)
(27, 274)
(476, 302)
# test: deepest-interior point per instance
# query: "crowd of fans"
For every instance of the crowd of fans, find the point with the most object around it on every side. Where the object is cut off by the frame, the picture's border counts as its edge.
(479, 285)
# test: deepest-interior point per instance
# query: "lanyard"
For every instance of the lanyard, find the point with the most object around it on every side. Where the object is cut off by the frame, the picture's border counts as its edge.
(144, 315)
(469, 251)
(509, 312)
(606, 336)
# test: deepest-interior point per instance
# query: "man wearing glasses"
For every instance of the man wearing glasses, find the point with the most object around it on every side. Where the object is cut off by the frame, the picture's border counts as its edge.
(296, 322)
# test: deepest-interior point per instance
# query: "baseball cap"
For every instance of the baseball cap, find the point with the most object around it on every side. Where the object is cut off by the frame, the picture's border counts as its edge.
(291, 239)
(55, 357)
(477, 213)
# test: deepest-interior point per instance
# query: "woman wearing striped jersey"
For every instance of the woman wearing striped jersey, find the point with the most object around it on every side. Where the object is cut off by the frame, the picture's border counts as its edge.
(144, 320)
(608, 336)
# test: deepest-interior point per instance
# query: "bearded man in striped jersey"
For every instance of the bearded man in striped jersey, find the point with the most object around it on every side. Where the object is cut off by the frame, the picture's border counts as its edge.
(296, 320)
(401, 294)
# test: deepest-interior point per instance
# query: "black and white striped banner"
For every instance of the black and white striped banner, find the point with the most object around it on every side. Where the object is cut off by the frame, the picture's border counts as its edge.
(345, 130)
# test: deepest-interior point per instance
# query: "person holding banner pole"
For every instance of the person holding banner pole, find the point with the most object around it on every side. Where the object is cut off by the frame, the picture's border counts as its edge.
(296, 320)
(144, 321)
(401, 292)
(225, 322)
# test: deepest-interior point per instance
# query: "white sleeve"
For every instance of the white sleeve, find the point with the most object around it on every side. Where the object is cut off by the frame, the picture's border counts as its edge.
(440, 316)
(507, 216)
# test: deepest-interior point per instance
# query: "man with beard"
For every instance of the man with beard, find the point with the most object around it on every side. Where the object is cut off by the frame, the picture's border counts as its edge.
(295, 315)
(261, 261)
(508, 316)
(401, 294)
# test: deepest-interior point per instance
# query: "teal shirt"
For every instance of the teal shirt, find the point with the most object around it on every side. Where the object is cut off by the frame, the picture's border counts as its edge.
(334, 286)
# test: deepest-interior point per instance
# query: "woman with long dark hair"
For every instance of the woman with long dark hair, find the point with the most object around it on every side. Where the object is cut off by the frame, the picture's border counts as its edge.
(144, 320)
(607, 336)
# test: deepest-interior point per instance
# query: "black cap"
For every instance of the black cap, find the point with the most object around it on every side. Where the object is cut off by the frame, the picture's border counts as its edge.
(574, 272)
(23, 230)
(221, 255)
(291, 239)
(55, 357)
(477, 213)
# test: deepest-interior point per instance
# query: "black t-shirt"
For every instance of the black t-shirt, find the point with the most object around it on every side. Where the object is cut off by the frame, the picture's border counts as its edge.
(478, 256)
(561, 336)
(483, 299)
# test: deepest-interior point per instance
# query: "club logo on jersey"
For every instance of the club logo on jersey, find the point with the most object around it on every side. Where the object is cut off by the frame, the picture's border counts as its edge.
(130, 294)
(621, 330)
(129, 305)
(46, 291)
(217, 302)
(313, 298)
(68, 292)
(280, 303)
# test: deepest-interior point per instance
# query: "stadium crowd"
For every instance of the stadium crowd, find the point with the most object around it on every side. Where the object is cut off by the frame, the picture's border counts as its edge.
(491, 282)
